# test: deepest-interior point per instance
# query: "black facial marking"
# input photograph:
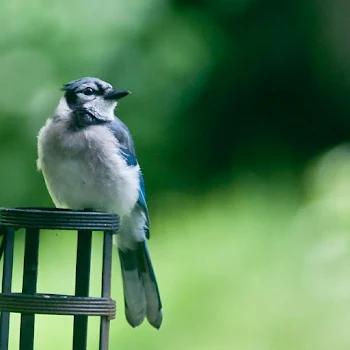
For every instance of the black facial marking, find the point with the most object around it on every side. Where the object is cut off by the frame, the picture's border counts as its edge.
(71, 98)
(100, 89)
(81, 118)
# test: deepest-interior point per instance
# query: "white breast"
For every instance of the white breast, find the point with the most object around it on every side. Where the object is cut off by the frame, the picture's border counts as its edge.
(84, 169)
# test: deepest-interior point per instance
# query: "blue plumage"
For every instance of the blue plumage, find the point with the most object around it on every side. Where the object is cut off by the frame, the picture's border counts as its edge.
(127, 151)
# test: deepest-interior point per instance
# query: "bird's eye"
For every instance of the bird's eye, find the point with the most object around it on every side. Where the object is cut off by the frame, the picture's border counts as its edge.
(88, 91)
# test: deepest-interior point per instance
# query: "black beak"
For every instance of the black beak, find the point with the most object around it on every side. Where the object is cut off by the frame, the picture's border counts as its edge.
(116, 94)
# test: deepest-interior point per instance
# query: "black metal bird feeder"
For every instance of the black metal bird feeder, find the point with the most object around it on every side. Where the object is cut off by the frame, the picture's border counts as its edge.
(29, 302)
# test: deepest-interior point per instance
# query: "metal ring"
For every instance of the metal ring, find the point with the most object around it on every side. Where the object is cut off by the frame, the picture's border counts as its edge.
(58, 219)
(56, 304)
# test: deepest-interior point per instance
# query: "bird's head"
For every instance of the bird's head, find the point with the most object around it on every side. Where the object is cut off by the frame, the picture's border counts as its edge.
(93, 96)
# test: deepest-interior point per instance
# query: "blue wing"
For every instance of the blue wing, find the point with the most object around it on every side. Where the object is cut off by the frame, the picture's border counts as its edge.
(127, 151)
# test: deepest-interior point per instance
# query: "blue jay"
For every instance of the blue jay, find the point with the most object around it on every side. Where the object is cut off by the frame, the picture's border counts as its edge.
(88, 160)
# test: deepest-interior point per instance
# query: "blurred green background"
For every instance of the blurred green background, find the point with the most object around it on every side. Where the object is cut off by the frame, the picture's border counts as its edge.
(241, 116)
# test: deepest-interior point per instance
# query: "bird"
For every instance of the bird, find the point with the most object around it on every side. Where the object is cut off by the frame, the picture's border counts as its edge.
(87, 157)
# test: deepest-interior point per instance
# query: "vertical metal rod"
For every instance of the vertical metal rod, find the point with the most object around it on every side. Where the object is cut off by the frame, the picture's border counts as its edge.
(9, 236)
(106, 285)
(30, 277)
(82, 284)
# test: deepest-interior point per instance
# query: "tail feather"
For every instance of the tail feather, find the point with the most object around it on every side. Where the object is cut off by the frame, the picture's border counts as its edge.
(154, 305)
(134, 293)
(141, 292)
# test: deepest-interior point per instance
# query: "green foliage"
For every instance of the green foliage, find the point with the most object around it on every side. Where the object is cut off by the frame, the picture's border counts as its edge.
(164, 66)
(233, 105)
(248, 267)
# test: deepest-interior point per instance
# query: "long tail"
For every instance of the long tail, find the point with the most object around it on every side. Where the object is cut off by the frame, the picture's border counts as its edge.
(141, 294)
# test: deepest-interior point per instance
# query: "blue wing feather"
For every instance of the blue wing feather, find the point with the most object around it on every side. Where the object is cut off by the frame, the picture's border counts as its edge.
(127, 151)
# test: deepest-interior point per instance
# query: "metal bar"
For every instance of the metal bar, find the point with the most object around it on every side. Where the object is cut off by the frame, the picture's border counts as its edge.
(6, 284)
(106, 286)
(30, 277)
(82, 284)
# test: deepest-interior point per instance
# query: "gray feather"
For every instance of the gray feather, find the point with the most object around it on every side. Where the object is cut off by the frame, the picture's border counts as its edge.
(134, 293)
(141, 293)
(154, 305)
